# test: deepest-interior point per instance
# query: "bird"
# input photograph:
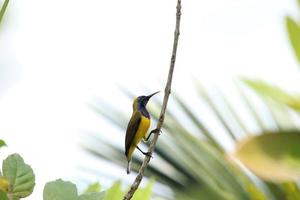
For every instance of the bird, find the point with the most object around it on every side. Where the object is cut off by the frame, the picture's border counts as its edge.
(137, 127)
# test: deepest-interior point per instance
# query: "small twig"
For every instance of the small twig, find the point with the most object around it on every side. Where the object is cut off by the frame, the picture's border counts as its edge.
(160, 122)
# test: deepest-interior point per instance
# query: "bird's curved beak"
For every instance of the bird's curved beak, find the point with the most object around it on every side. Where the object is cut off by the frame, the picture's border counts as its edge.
(149, 96)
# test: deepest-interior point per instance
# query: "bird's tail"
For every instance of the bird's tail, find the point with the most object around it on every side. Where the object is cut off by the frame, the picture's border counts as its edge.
(128, 166)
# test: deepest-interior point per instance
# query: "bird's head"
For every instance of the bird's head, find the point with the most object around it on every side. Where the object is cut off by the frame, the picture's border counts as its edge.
(142, 100)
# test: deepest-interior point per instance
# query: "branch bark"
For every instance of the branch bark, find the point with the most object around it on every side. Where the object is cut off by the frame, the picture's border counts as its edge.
(160, 122)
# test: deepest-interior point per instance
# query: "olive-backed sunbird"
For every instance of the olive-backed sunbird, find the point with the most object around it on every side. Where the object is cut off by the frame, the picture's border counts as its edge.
(137, 127)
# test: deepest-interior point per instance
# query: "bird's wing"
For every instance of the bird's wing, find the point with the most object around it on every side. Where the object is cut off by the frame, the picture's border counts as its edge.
(132, 128)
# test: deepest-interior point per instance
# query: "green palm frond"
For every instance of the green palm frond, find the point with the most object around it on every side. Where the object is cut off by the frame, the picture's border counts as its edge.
(193, 163)
(190, 156)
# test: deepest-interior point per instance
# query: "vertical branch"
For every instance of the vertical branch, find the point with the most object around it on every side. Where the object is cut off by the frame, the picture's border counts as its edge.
(160, 122)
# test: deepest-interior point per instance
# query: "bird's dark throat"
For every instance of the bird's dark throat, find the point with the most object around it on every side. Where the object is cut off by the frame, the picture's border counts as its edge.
(144, 111)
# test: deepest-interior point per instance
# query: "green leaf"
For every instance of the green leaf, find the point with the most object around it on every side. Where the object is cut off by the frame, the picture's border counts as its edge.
(291, 190)
(60, 190)
(19, 175)
(115, 192)
(3, 195)
(92, 196)
(2, 11)
(273, 157)
(95, 187)
(293, 29)
(275, 93)
(250, 106)
(144, 193)
(197, 121)
(2, 143)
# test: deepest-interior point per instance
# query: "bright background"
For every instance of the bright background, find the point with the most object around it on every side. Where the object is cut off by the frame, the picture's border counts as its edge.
(58, 56)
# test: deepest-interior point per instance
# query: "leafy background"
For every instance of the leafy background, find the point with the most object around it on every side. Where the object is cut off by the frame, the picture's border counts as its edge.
(196, 165)
(209, 169)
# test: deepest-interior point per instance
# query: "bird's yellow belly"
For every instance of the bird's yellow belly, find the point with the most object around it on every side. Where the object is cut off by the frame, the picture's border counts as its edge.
(140, 134)
(142, 130)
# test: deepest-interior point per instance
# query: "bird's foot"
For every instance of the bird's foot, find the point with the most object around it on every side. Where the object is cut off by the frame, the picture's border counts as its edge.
(156, 131)
(145, 153)
(148, 154)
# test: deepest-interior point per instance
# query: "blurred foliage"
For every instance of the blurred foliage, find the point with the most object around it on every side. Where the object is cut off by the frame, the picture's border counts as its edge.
(2, 143)
(19, 175)
(17, 179)
(275, 93)
(3, 9)
(292, 190)
(95, 187)
(114, 192)
(65, 190)
(293, 29)
(144, 193)
(278, 153)
(60, 190)
(199, 166)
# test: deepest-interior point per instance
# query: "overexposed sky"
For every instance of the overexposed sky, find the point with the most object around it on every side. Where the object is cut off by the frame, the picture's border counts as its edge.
(58, 56)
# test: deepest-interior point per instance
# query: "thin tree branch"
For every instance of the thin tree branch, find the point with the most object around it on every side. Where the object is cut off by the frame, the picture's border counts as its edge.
(160, 122)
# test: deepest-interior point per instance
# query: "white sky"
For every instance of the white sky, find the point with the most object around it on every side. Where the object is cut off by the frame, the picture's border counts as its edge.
(57, 56)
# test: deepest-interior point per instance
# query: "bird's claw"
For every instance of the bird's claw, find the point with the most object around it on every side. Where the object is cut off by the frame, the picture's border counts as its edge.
(148, 154)
(156, 131)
